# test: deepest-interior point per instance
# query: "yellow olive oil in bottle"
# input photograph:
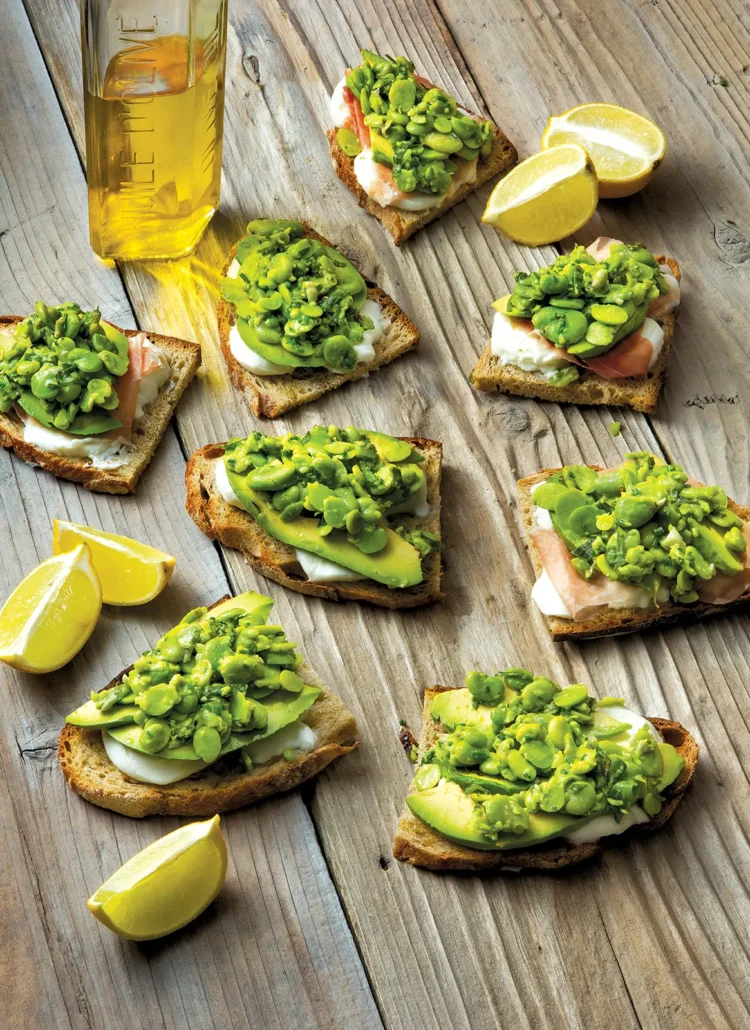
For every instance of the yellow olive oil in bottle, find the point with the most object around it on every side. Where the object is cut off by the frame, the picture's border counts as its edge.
(153, 74)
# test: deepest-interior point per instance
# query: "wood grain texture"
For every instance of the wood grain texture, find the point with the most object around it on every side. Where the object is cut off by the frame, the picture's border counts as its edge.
(653, 935)
(275, 949)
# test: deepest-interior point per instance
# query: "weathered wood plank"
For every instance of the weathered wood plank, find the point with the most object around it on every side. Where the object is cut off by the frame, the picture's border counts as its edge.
(275, 950)
(653, 934)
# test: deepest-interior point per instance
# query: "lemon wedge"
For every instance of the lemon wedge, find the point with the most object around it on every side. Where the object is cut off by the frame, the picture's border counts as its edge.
(626, 148)
(547, 197)
(166, 885)
(130, 572)
(51, 614)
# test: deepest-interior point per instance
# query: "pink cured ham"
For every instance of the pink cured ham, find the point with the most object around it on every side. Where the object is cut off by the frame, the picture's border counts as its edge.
(629, 357)
(127, 385)
(583, 598)
(358, 118)
(600, 248)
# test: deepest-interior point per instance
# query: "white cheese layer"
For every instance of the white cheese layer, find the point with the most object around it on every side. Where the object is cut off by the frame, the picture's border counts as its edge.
(653, 332)
(606, 826)
(234, 269)
(514, 344)
(297, 736)
(261, 366)
(150, 385)
(339, 108)
(148, 768)
(224, 486)
(321, 570)
(103, 453)
(545, 596)
(620, 713)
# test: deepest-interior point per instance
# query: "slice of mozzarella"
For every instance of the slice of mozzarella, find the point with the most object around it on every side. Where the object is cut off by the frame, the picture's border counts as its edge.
(297, 736)
(148, 768)
(321, 570)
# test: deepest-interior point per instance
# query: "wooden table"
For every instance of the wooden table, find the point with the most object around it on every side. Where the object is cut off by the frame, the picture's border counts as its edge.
(317, 925)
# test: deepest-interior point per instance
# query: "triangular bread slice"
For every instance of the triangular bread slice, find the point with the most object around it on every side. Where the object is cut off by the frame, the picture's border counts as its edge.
(219, 788)
(623, 620)
(403, 224)
(418, 844)
(184, 358)
(638, 392)
(275, 560)
(273, 395)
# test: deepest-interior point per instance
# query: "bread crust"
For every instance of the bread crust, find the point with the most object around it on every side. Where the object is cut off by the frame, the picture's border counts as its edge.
(185, 358)
(403, 224)
(276, 561)
(90, 773)
(626, 620)
(418, 844)
(272, 396)
(638, 392)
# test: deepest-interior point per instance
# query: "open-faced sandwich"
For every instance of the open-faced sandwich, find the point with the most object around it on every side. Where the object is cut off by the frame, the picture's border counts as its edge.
(515, 773)
(345, 514)
(296, 318)
(637, 545)
(405, 148)
(85, 400)
(222, 711)
(593, 328)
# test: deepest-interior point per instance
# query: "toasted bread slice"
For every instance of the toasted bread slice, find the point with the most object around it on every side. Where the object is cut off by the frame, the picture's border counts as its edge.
(624, 620)
(184, 358)
(418, 844)
(275, 560)
(273, 395)
(639, 392)
(219, 788)
(403, 224)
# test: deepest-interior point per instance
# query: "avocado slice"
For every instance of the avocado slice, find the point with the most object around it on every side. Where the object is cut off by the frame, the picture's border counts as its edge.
(454, 707)
(710, 542)
(397, 565)
(382, 148)
(88, 715)
(389, 448)
(281, 706)
(673, 763)
(452, 813)
(470, 780)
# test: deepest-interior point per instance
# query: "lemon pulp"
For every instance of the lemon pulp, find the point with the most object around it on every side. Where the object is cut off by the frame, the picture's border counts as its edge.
(130, 572)
(51, 613)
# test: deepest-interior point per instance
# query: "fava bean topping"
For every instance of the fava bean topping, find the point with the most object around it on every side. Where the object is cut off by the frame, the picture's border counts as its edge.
(298, 302)
(61, 367)
(344, 479)
(538, 748)
(643, 523)
(206, 679)
(415, 128)
(587, 306)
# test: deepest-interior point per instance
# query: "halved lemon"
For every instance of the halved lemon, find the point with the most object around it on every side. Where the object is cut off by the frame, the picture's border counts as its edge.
(626, 148)
(130, 572)
(51, 614)
(547, 197)
(165, 886)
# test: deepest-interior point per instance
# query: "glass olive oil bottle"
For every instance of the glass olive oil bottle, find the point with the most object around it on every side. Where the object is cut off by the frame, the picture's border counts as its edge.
(153, 73)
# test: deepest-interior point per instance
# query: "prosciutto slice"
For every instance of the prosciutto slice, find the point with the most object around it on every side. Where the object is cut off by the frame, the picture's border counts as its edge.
(358, 118)
(141, 362)
(584, 598)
